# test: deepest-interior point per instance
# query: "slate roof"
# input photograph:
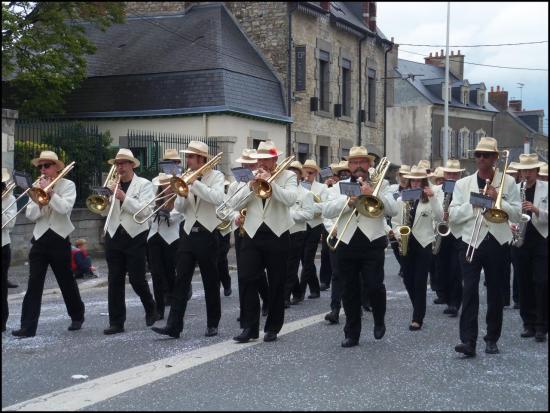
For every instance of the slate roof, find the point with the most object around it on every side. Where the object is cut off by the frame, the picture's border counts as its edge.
(428, 81)
(197, 62)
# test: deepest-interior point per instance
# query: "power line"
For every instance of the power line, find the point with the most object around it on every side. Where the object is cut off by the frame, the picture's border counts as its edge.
(473, 45)
(481, 64)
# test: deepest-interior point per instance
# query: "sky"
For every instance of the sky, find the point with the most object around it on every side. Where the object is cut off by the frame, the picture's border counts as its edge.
(473, 23)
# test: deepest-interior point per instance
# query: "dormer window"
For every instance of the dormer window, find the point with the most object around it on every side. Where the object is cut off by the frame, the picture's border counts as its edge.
(464, 95)
(481, 98)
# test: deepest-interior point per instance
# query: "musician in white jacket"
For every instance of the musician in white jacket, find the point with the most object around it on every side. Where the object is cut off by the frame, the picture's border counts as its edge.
(51, 246)
(7, 214)
(421, 216)
(493, 238)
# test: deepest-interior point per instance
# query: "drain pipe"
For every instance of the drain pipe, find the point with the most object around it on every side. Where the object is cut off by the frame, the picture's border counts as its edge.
(359, 121)
(290, 10)
(386, 91)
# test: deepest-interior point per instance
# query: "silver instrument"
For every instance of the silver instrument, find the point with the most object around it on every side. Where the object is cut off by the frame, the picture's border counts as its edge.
(518, 230)
(442, 228)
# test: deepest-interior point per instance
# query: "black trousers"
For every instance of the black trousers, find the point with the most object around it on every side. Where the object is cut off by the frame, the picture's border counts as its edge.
(200, 248)
(515, 279)
(224, 243)
(437, 283)
(336, 289)
(309, 270)
(416, 265)
(162, 259)
(486, 257)
(269, 252)
(533, 285)
(55, 251)
(125, 254)
(292, 284)
(362, 259)
(6, 260)
(448, 268)
(325, 272)
(509, 263)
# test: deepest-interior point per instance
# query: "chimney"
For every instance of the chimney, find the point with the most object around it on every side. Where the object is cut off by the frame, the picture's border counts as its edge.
(325, 6)
(456, 63)
(372, 20)
(366, 12)
(498, 99)
(515, 105)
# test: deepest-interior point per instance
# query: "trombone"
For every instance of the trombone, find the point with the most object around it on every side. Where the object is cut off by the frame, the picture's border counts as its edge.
(98, 203)
(496, 214)
(477, 228)
(111, 208)
(21, 196)
(180, 186)
(262, 188)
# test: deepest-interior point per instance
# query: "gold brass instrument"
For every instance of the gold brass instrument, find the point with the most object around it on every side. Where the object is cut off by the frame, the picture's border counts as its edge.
(477, 228)
(405, 229)
(243, 217)
(442, 228)
(41, 196)
(262, 188)
(371, 205)
(518, 230)
(332, 233)
(111, 208)
(317, 200)
(98, 203)
(496, 214)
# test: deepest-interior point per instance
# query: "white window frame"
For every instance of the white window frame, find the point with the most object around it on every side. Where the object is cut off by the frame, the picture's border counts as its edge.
(465, 95)
(481, 98)
(480, 133)
(463, 143)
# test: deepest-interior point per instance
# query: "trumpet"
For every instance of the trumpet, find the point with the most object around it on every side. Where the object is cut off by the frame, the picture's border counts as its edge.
(180, 187)
(98, 203)
(262, 188)
(477, 228)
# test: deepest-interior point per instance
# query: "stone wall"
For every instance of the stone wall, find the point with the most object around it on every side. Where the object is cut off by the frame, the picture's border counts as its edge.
(148, 8)
(87, 225)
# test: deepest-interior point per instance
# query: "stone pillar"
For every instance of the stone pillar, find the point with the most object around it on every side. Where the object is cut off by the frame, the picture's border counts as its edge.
(8, 131)
(226, 145)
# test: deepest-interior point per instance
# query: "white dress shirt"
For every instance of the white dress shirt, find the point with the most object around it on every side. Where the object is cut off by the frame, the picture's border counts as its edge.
(320, 190)
(6, 216)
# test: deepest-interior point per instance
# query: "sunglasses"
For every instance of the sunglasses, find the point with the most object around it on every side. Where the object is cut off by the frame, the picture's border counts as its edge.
(44, 165)
(485, 155)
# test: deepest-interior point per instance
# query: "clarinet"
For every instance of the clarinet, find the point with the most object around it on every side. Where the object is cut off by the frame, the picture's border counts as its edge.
(518, 230)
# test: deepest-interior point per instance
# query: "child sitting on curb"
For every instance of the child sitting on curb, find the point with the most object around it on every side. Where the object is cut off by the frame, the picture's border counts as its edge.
(81, 262)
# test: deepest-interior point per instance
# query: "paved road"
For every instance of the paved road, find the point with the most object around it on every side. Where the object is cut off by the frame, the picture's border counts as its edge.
(305, 369)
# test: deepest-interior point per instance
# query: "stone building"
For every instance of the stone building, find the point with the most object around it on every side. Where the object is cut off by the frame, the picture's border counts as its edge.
(331, 58)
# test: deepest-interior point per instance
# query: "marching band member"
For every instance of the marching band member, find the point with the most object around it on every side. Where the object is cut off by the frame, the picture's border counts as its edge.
(162, 243)
(126, 242)
(533, 253)
(265, 244)
(199, 244)
(51, 246)
(313, 232)
(224, 242)
(7, 200)
(447, 262)
(543, 173)
(362, 252)
(491, 242)
(301, 212)
(424, 213)
(396, 191)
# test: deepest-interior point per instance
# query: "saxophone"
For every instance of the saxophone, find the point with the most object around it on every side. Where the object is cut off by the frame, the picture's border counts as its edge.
(405, 229)
(518, 230)
(442, 228)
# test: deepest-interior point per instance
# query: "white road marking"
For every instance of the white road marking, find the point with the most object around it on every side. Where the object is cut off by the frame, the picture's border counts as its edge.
(103, 388)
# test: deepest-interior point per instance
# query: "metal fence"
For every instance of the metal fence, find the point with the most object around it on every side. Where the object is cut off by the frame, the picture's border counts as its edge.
(71, 141)
(149, 147)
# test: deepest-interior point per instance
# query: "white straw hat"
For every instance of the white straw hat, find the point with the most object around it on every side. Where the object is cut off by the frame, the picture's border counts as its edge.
(171, 155)
(266, 150)
(416, 173)
(197, 148)
(161, 179)
(310, 163)
(487, 144)
(543, 171)
(125, 155)
(528, 161)
(245, 156)
(359, 152)
(453, 165)
(404, 169)
(48, 156)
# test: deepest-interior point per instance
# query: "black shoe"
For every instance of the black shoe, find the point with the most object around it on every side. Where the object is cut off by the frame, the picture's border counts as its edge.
(540, 336)
(333, 317)
(367, 308)
(379, 331)
(264, 310)
(90, 275)
(349, 342)
(323, 287)
(76, 325)
(166, 331)
(211, 331)
(295, 300)
(113, 330)
(151, 318)
(246, 335)
(415, 327)
(22, 332)
(440, 300)
(528, 332)
(287, 303)
(238, 318)
(491, 347)
(227, 291)
(314, 295)
(466, 349)
(270, 336)
(12, 285)
(400, 273)
(451, 310)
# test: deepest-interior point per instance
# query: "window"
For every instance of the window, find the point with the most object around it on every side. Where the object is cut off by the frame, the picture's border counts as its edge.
(324, 80)
(480, 133)
(323, 156)
(256, 143)
(303, 152)
(345, 152)
(300, 68)
(463, 141)
(465, 96)
(481, 98)
(454, 145)
(371, 96)
(346, 87)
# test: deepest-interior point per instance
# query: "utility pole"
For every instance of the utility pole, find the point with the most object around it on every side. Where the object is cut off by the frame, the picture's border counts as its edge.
(446, 94)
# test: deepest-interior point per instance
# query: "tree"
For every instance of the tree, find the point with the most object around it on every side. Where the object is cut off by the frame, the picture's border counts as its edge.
(44, 48)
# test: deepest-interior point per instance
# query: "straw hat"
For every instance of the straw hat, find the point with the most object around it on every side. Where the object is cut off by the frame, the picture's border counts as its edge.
(310, 163)
(423, 163)
(171, 155)
(453, 165)
(438, 173)
(245, 156)
(543, 171)
(339, 167)
(5, 175)
(359, 152)
(487, 144)
(297, 165)
(48, 156)
(404, 169)
(125, 155)
(197, 148)
(528, 161)
(161, 179)
(512, 168)
(266, 150)
(416, 173)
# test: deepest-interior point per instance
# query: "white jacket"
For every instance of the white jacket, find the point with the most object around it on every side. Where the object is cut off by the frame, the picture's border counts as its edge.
(276, 212)
(6, 216)
(455, 228)
(302, 210)
(202, 207)
(140, 192)
(168, 233)
(57, 214)
(320, 190)
(462, 213)
(427, 215)
(373, 228)
(541, 202)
